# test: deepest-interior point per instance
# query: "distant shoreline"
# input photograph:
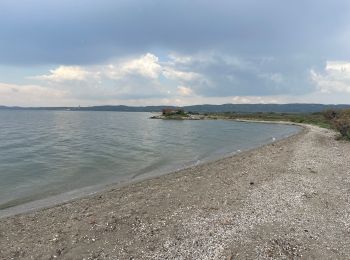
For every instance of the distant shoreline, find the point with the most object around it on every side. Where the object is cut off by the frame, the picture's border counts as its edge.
(205, 108)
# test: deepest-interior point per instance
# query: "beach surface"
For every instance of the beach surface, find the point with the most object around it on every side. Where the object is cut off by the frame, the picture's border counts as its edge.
(285, 200)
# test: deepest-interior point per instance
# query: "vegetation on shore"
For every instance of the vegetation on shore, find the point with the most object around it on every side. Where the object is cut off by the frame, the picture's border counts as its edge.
(174, 113)
(331, 118)
(177, 114)
(340, 120)
(335, 119)
(307, 118)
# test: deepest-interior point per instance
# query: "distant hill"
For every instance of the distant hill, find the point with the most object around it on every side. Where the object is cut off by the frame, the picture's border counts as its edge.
(250, 108)
(239, 108)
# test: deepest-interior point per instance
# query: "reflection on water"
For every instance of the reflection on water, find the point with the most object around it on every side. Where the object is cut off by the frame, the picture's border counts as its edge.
(44, 153)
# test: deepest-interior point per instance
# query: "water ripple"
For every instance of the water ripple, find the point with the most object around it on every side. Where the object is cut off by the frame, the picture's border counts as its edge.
(45, 153)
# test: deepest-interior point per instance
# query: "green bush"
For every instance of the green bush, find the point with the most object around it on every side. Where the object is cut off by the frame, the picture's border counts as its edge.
(180, 112)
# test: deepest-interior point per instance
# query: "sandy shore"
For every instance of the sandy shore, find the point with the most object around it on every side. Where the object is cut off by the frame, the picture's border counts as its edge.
(286, 200)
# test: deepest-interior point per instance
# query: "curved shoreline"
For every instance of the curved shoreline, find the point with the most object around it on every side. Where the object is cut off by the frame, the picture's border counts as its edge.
(66, 197)
(288, 199)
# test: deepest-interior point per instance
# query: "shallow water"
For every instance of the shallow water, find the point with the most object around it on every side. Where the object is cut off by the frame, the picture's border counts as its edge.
(45, 153)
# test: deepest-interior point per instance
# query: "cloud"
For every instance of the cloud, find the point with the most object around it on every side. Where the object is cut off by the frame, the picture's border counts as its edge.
(255, 100)
(210, 74)
(97, 31)
(274, 77)
(174, 74)
(147, 66)
(221, 74)
(184, 91)
(36, 95)
(210, 77)
(334, 78)
(64, 73)
(339, 66)
(176, 58)
(29, 95)
(142, 76)
(143, 50)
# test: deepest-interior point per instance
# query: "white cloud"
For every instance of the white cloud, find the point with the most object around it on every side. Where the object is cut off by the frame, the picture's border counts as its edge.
(29, 95)
(254, 100)
(190, 80)
(173, 74)
(184, 91)
(334, 78)
(176, 58)
(36, 95)
(65, 73)
(147, 66)
(122, 78)
(197, 100)
(339, 66)
(315, 97)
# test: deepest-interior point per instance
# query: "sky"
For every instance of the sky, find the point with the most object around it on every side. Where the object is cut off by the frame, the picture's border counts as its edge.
(183, 52)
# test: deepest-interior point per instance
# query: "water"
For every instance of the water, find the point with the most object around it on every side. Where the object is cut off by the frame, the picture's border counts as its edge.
(45, 153)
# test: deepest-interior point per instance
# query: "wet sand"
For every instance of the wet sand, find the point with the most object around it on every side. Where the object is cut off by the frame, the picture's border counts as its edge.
(289, 199)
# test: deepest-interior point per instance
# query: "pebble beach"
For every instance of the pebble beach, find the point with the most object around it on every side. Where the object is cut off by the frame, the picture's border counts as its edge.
(286, 200)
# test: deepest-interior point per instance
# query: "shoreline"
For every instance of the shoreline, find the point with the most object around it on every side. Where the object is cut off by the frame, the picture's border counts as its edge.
(70, 196)
(287, 199)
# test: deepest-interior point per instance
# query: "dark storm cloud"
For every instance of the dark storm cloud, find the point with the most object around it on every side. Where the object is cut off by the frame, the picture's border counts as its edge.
(81, 32)
(239, 75)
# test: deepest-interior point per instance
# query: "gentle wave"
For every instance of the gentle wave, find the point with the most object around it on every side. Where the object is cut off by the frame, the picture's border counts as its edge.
(45, 153)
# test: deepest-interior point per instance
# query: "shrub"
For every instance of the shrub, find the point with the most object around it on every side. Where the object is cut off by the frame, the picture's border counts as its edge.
(180, 112)
(343, 126)
(331, 114)
(167, 111)
(342, 123)
(345, 113)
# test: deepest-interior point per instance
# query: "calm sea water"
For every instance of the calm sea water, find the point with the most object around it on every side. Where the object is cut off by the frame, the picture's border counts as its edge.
(44, 153)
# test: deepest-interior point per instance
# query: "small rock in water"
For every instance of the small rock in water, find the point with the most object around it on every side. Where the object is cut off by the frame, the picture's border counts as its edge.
(251, 183)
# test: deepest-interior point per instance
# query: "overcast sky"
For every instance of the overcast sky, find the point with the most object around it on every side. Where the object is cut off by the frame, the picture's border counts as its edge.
(85, 52)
